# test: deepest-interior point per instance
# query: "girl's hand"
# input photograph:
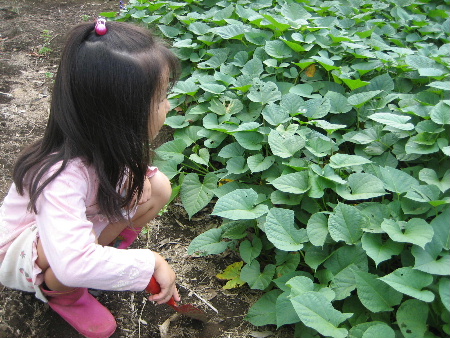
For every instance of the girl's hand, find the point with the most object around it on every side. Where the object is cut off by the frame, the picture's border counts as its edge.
(165, 276)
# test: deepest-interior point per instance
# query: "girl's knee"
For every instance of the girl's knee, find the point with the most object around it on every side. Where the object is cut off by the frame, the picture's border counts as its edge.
(53, 283)
(161, 188)
(161, 191)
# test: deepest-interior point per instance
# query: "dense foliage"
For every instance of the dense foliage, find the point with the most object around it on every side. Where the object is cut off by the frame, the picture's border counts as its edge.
(322, 129)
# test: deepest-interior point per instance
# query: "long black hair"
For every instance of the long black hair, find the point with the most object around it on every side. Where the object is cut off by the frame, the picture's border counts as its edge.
(104, 93)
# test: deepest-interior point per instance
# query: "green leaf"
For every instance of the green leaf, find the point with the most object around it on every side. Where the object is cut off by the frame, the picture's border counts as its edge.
(427, 261)
(292, 103)
(317, 228)
(243, 83)
(315, 311)
(379, 251)
(258, 36)
(196, 195)
(250, 250)
(172, 150)
(285, 145)
(315, 256)
(355, 84)
(326, 63)
(253, 68)
(424, 193)
(263, 312)
(216, 106)
(375, 295)
(339, 103)
(346, 224)
(168, 167)
(168, 31)
(441, 229)
(278, 23)
(277, 49)
(139, 14)
(202, 157)
(328, 173)
(359, 99)
(427, 139)
(188, 87)
(329, 127)
(295, 183)
(239, 204)
(295, 12)
(359, 330)
(362, 186)
(216, 61)
(251, 273)
(235, 229)
(303, 89)
(237, 165)
(413, 147)
(258, 162)
(344, 161)
(299, 285)
(379, 331)
(208, 243)
(416, 231)
(429, 176)
(233, 31)
(176, 122)
(250, 140)
(410, 282)
(444, 292)
(199, 28)
(393, 120)
(317, 108)
(222, 14)
(248, 126)
(440, 113)
(342, 265)
(396, 180)
(275, 114)
(440, 85)
(425, 65)
(281, 231)
(297, 47)
(279, 197)
(364, 136)
(412, 318)
(285, 310)
(264, 93)
(231, 150)
(213, 88)
(287, 263)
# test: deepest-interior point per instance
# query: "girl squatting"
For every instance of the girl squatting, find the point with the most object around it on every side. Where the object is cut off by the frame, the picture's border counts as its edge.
(82, 193)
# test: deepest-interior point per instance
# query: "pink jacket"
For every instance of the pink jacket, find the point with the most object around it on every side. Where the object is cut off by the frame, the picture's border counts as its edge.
(67, 219)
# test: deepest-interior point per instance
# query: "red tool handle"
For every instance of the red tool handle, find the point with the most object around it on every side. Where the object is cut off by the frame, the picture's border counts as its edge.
(154, 288)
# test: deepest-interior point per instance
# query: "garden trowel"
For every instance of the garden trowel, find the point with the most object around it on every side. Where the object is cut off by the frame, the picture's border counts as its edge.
(186, 309)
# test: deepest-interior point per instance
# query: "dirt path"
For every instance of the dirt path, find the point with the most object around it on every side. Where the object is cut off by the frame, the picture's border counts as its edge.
(31, 35)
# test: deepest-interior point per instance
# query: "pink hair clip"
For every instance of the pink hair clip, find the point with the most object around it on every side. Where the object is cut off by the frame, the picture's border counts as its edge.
(100, 26)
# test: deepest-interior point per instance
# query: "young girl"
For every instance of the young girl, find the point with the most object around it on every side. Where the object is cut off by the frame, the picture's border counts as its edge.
(83, 192)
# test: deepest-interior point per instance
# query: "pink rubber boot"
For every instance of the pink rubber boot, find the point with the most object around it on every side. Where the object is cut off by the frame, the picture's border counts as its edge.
(126, 238)
(84, 312)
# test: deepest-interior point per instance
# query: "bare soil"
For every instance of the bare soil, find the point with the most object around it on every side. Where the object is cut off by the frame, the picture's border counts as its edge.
(31, 36)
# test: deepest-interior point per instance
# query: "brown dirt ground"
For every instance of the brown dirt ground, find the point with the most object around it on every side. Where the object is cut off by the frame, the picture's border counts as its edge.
(26, 26)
